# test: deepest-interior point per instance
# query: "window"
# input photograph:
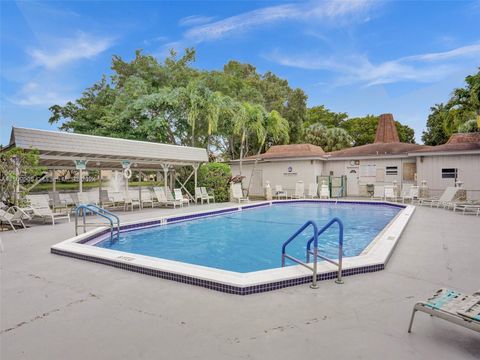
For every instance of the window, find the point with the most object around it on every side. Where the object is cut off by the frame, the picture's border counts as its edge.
(409, 170)
(368, 170)
(449, 173)
(392, 170)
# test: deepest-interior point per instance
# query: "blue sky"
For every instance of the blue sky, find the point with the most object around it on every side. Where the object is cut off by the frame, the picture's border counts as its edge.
(360, 57)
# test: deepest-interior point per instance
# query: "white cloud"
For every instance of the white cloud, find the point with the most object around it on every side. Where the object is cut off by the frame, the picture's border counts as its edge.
(326, 11)
(64, 51)
(194, 20)
(36, 94)
(426, 68)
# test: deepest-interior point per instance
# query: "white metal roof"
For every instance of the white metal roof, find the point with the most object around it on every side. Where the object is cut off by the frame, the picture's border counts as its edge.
(65, 147)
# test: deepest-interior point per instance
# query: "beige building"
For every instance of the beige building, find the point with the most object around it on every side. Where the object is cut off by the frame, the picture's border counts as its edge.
(386, 161)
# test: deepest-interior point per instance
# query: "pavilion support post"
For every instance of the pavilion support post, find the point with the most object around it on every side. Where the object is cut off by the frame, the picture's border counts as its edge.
(54, 181)
(140, 175)
(100, 183)
(195, 178)
(165, 174)
(80, 180)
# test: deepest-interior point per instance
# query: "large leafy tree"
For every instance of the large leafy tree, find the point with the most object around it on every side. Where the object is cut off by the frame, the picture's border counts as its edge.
(320, 114)
(459, 114)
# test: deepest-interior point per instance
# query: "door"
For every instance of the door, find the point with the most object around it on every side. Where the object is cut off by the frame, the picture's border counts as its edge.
(352, 183)
(257, 183)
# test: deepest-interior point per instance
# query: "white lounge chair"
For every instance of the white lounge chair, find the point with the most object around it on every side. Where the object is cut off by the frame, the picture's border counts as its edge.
(469, 207)
(162, 197)
(198, 195)
(445, 199)
(299, 191)
(313, 190)
(146, 198)
(131, 199)
(206, 195)
(179, 196)
(452, 306)
(11, 216)
(324, 192)
(412, 194)
(93, 197)
(390, 193)
(105, 199)
(56, 202)
(279, 192)
(378, 192)
(40, 208)
(237, 193)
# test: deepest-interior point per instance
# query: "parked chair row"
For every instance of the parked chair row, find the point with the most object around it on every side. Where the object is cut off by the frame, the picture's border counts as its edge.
(299, 193)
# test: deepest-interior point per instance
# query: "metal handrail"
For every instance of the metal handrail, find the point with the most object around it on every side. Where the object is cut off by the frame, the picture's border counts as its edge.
(98, 211)
(315, 251)
(340, 247)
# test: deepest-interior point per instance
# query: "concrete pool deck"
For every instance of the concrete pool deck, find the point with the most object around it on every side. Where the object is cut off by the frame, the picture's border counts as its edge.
(54, 307)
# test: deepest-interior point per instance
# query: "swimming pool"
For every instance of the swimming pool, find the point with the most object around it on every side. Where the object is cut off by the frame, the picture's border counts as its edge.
(251, 240)
(237, 249)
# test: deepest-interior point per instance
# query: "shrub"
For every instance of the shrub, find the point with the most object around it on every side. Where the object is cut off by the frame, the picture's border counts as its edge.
(215, 177)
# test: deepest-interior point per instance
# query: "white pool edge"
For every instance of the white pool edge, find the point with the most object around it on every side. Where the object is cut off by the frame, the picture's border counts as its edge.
(377, 252)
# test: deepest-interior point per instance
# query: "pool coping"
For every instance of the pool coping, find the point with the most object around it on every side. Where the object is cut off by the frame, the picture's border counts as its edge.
(373, 258)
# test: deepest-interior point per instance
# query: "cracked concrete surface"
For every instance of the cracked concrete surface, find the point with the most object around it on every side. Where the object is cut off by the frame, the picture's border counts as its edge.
(54, 307)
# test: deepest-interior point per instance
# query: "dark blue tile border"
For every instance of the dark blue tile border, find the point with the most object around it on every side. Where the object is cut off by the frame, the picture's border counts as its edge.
(230, 289)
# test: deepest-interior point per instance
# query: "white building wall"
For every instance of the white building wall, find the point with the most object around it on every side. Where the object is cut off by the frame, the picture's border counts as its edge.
(283, 172)
(430, 169)
(377, 174)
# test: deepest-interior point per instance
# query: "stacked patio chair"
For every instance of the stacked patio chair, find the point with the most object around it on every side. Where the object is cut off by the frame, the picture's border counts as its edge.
(452, 306)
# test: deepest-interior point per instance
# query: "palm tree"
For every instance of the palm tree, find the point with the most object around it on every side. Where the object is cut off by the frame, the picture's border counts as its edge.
(248, 119)
(277, 128)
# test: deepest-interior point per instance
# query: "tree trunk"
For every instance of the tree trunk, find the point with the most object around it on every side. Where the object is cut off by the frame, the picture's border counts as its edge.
(241, 151)
(255, 164)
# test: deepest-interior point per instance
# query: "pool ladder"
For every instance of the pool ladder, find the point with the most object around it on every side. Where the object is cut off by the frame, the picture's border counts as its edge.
(82, 210)
(314, 252)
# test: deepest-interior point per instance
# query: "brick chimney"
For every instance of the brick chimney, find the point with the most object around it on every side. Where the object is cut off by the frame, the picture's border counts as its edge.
(386, 130)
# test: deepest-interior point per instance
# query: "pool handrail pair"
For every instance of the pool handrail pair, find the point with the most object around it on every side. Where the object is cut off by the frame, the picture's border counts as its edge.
(84, 208)
(314, 252)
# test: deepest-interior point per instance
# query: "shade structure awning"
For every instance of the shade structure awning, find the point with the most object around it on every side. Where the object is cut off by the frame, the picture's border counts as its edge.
(60, 150)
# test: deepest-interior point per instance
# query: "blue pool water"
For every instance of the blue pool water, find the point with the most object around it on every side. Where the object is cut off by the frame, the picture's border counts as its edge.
(252, 239)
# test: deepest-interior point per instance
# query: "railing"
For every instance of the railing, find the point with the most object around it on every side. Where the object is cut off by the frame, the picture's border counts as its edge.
(314, 252)
(84, 208)
(340, 247)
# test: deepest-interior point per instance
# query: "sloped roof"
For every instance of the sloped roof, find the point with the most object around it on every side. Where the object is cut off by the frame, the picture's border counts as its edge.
(291, 151)
(379, 149)
(63, 147)
(386, 130)
(457, 142)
